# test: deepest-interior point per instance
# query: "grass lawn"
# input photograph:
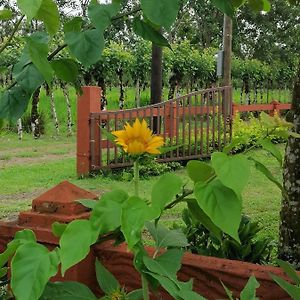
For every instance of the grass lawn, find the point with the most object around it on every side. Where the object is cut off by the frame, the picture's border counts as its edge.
(30, 167)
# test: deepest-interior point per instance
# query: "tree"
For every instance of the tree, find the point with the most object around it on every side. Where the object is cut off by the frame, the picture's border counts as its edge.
(289, 237)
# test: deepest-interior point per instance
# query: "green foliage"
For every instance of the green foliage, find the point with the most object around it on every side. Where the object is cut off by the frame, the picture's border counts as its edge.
(148, 169)
(252, 131)
(148, 32)
(292, 289)
(107, 282)
(233, 171)
(67, 291)
(161, 12)
(78, 232)
(164, 190)
(205, 241)
(249, 291)
(219, 201)
(5, 14)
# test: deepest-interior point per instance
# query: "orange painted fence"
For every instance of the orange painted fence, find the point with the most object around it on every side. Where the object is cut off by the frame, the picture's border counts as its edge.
(198, 124)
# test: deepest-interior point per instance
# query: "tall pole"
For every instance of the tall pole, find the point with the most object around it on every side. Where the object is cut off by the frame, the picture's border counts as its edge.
(227, 48)
(156, 82)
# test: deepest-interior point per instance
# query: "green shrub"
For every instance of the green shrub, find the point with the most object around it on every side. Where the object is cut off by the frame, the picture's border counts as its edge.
(254, 129)
(147, 169)
(252, 249)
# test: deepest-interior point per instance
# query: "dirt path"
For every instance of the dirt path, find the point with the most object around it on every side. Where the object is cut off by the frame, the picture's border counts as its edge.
(13, 161)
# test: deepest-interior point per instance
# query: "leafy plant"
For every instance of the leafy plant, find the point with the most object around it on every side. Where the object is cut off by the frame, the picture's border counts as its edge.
(251, 249)
(75, 290)
(249, 291)
(216, 204)
(292, 289)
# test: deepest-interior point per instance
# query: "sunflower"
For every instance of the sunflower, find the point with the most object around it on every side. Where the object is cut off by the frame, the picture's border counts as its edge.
(138, 139)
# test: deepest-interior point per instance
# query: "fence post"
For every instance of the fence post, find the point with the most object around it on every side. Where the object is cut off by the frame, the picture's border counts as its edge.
(275, 109)
(89, 102)
(171, 122)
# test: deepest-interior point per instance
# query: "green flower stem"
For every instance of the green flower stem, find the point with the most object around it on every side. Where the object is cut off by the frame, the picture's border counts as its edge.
(136, 177)
(145, 288)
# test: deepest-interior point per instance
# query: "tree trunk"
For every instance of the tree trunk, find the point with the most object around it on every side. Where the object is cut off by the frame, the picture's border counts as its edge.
(172, 83)
(156, 82)
(69, 112)
(49, 93)
(121, 98)
(289, 231)
(20, 129)
(138, 93)
(35, 117)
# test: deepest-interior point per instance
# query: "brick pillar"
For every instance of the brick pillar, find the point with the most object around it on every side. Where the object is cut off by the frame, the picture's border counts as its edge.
(89, 102)
(58, 204)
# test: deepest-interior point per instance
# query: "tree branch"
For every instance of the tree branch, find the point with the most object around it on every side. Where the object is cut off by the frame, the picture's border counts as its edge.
(17, 25)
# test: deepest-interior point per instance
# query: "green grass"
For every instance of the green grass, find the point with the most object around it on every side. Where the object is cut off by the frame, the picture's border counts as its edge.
(261, 198)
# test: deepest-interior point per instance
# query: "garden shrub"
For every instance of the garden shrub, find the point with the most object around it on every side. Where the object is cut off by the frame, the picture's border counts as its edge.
(253, 129)
(251, 249)
(148, 169)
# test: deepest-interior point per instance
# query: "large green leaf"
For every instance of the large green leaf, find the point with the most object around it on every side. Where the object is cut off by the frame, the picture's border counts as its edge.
(199, 215)
(29, 8)
(165, 237)
(224, 6)
(30, 271)
(165, 189)
(30, 78)
(161, 12)
(5, 14)
(67, 291)
(134, 214)
(189, 295)
(101, 14)
(65, 69)
(86, 46)
(48, 13)
(74, 25)
(106, 215)
(58, 228)
(107, 281)
(199, 171)
(221, 204)
(167, 284)
(232, 171)
(167, 264)
(292, 290)
(263, 169)
(259, 5)
(135, 295)
(75, 243)
(271, 148)
(249, 291)
(13, 103)
(289, 270)
(38, 52)
(149, 33)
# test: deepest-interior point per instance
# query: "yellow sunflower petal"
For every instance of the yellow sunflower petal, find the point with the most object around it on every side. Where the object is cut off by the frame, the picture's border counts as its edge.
(152, 150)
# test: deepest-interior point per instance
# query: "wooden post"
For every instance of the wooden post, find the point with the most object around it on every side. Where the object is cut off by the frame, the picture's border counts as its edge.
(89, 102)
(227, 48)
(156, 82)
(171, 122)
